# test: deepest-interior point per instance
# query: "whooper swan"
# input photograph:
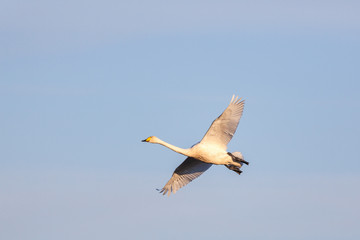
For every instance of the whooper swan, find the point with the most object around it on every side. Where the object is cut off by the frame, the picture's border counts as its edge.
(210, 150)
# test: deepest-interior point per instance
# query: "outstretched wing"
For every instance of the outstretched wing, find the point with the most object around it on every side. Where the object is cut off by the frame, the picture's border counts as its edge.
(190, 169)
(223, 128)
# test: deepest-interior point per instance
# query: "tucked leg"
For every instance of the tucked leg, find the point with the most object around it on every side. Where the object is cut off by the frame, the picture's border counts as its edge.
(243, 161)
(237, 159)
(234, 168)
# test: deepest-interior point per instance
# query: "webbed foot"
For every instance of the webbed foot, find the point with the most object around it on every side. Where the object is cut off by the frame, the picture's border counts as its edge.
(234, 168)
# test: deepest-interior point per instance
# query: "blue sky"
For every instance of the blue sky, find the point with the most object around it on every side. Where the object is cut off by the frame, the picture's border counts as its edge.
(82, 82)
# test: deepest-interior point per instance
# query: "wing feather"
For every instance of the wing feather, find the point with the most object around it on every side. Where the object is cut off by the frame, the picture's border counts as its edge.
(224, 127)
(187, 171)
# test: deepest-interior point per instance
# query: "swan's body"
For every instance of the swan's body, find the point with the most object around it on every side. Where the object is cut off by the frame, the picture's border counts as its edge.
(210, 150)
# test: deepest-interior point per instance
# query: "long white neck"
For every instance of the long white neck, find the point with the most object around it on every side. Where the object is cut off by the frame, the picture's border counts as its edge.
(182, 151)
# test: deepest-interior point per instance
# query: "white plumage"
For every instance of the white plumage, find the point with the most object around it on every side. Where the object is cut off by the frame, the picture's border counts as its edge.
(210, 150)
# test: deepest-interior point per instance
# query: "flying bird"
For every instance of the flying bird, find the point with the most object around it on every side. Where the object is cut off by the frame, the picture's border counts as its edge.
(212, 149)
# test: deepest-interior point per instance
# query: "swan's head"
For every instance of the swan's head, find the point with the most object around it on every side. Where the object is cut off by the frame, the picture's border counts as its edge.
(151, 139)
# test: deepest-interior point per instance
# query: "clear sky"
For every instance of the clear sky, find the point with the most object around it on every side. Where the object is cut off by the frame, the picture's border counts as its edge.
(83, 82)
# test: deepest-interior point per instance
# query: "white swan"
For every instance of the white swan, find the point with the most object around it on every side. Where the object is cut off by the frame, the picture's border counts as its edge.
(210, 150)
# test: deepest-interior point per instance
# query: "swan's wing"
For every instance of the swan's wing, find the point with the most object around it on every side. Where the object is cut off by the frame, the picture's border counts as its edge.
(190, 169)
(223, 128)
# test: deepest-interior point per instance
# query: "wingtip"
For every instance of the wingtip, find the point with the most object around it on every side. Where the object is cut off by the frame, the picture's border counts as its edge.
(164, 191)
(235, 99)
